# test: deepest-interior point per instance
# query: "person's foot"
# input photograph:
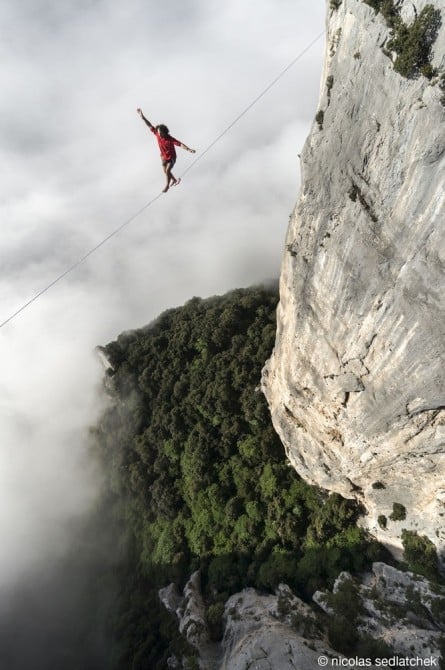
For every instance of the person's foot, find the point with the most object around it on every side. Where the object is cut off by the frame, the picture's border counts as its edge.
(177, 181)
(164, 190)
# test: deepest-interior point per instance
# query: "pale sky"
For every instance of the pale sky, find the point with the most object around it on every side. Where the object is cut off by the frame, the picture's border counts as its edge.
(78, 162)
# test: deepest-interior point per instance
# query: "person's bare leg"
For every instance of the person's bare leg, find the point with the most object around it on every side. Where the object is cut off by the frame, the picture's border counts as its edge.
(171, 178)
(167, 169)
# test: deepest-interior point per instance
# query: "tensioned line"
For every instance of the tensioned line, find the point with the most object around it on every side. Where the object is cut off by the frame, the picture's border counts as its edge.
(75, 265)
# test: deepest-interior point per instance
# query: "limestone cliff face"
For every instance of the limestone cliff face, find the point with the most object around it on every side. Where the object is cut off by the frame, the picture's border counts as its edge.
(356, 382)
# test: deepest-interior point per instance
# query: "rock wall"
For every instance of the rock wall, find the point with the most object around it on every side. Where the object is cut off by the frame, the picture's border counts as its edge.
(356, 382)
(265, 632)
(281, 632)
(400, 608)
(257, 637)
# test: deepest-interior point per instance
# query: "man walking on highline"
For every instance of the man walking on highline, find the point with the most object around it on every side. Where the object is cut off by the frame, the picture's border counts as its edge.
(167, 145)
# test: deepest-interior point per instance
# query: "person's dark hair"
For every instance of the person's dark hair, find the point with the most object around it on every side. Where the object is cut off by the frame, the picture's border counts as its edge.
(162, 130)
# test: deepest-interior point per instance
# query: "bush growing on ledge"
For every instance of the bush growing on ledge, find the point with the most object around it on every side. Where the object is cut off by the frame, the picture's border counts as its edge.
(386, 8)
(442, 88)
(346, 602)
(214, 620)
(329, 85)
(398, 512)
(382, 521)
(412, 43)
(343, 634)
(319, 117)
(421, 555)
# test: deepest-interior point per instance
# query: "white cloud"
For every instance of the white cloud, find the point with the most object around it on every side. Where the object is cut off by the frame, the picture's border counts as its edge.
(80, 163)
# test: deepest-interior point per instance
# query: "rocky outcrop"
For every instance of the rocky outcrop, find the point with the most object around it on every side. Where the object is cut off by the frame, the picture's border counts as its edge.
(265, 632)
(191, 613)
(394, 613)
(355, 384)
(256, 636)
(404, 610)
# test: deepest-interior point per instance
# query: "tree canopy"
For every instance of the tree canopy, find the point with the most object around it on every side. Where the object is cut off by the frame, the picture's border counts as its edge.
(198, 475)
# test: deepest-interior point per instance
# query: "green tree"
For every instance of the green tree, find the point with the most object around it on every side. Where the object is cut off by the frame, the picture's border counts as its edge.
(199, 476)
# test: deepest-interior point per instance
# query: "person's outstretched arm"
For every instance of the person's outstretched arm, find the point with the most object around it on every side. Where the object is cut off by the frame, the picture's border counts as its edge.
(141, 114)
(184, 146)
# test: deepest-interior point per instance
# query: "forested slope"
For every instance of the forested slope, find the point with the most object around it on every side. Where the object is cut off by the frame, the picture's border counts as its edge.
(198, 477)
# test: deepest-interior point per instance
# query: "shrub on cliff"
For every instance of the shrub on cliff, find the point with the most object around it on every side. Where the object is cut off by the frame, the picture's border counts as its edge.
(421, 555)
(412, 43)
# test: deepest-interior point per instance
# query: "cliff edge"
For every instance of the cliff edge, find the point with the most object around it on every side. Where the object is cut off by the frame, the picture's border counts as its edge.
(355, 384)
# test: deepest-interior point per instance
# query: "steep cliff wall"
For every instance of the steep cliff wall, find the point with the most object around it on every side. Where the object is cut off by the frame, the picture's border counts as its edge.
(356, 382)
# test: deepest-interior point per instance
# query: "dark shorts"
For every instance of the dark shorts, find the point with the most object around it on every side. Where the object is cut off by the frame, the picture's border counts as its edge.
(168, 163)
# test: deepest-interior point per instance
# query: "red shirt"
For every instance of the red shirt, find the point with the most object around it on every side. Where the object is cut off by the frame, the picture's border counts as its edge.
(166, 145)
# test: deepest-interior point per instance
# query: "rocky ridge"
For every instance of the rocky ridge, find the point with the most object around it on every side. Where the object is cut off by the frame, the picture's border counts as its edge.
(400, 608)
(355, 383)
(403, 612)
(264, 632)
